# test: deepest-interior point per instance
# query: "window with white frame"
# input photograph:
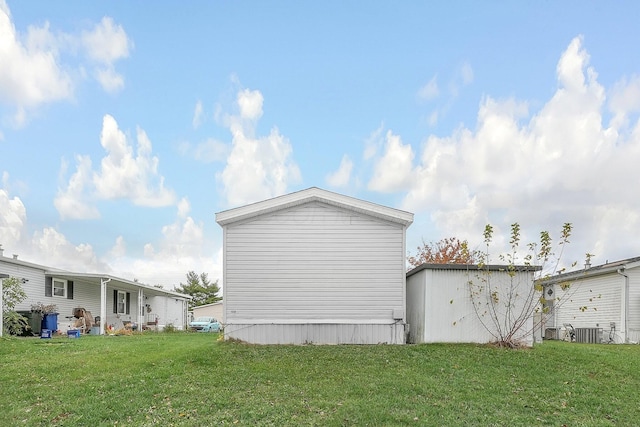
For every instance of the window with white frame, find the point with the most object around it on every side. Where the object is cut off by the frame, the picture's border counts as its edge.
(121, 302)
(59, 288)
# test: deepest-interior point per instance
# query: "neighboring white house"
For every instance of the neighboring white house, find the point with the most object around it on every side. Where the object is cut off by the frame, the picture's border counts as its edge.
(601, 303)
(440, 305)
(117, 300)
(212, 310)
(314, 267)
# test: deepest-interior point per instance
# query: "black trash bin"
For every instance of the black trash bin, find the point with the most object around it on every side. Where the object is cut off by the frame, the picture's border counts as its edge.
(35, 322)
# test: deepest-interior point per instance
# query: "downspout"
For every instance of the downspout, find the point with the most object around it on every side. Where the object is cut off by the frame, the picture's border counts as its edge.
(103, 303)
(620, 271)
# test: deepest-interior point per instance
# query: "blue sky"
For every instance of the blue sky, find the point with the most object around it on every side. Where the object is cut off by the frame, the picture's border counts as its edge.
(124, 127)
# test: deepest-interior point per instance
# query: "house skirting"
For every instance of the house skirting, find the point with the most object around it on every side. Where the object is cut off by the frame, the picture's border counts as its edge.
(317, 333)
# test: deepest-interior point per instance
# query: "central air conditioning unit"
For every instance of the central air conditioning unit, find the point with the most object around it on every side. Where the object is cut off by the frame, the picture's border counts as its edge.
(551, 334)
(589, 335)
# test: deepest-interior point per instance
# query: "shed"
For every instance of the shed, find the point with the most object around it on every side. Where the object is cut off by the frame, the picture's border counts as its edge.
(314, 267)
(212, 310)
(601, 302)
(440, 302)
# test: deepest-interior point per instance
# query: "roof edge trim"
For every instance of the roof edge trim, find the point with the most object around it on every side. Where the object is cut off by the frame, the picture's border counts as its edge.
(314, 194)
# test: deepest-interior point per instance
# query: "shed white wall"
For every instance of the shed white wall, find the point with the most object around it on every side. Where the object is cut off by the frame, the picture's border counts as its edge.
(439, 302)
(212, 310)
(603, 298)
(416, 300)
(314, 273)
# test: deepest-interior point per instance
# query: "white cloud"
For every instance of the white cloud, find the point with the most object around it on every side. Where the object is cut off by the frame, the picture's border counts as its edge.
(432, 120)
(559, 165)
(105, 44)
(46, 246)
(181, 248)
(109, 79)
(123, 174)
(463, 76)
(119, 249)
(394, 170)
(624, 100)
(198, 115)
(51, 248)
(184, 207)
(31, 74)
(208, 151)
(430, 90)
(211, 150)
(466, 73)
(13, 218)
(71, 203)
(257, 167)
(250, 103)
(374, 143)
(342, 176)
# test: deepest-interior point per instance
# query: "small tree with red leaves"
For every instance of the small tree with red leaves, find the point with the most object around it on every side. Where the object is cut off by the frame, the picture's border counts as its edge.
(449, 250)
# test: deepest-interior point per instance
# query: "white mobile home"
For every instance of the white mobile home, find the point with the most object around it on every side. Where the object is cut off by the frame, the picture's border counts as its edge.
(314, 267)
(602, 303)
(441, 298)
(113, 300)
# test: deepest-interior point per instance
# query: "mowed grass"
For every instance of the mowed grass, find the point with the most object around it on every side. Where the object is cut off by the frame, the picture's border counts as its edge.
(194, 380)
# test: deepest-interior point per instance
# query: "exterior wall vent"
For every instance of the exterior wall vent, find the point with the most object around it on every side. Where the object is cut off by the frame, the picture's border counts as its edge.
(589, 335)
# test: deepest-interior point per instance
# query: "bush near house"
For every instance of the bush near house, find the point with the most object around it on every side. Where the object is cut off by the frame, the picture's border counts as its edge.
(194, 380)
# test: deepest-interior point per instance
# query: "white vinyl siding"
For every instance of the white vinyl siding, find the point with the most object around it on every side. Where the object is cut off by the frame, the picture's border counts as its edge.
(591, 302)
(314, 272)
(314, 262)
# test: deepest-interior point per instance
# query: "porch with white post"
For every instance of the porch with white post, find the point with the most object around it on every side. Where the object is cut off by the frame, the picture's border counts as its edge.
(140, 309)
(103, 303)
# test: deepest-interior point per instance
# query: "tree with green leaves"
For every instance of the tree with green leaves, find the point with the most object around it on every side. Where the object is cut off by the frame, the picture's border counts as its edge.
(504, 306)
(12, 295)
(200, 288)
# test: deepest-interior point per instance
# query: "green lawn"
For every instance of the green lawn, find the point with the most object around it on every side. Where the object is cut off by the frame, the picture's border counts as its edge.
(193, 379)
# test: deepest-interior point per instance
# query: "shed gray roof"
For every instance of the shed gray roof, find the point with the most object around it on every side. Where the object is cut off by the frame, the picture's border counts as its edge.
(470, 267)
(311, 195)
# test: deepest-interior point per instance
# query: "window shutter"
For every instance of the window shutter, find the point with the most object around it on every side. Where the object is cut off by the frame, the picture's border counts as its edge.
(48, 286)
(115, 300)
(128, 301)
(70, 289)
